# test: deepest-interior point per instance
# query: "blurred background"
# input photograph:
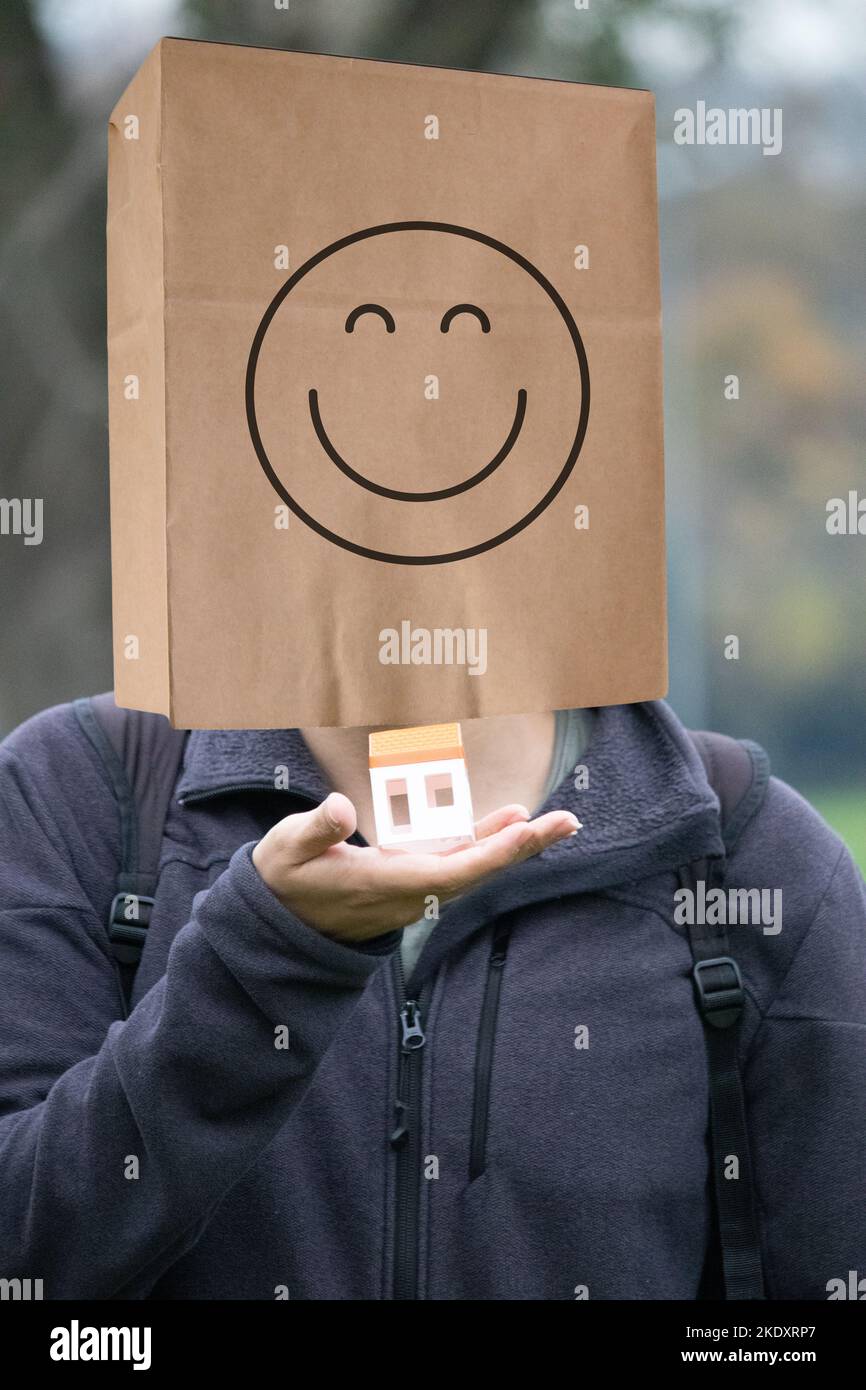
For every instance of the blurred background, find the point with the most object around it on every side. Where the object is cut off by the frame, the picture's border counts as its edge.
(763, 277)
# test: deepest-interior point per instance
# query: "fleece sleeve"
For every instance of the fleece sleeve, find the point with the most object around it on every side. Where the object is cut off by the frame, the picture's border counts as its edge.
(806, 1084)
(118, 1138)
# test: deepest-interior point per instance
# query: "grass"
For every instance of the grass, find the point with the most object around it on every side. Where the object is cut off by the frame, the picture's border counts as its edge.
(846, 812)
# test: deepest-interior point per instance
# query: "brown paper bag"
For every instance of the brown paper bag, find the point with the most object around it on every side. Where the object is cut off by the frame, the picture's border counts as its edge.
(385, 392)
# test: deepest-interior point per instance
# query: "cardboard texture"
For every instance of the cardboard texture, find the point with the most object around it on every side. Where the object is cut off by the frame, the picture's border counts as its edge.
(367, 389)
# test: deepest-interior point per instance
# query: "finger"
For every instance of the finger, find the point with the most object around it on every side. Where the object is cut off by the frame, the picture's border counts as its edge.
(310, 833)
(547, 830)
(497, 820)
(448, 874)
(510, 845)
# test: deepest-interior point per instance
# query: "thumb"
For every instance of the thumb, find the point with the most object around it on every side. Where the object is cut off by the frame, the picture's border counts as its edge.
(312, 832)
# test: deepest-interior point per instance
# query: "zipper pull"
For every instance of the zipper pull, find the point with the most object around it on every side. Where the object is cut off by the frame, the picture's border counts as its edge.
(413, 1035)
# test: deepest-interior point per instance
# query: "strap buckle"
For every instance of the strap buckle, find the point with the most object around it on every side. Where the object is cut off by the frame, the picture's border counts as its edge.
(128, 921)
(720, 1000)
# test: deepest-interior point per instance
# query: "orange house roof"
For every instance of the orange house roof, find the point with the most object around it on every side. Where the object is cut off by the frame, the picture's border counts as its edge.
(425, 743)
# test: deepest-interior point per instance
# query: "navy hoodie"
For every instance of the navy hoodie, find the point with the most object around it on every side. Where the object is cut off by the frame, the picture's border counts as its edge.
(184, 1152)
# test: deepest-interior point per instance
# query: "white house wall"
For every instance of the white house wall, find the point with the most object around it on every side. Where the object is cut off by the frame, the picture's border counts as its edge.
(431, 827)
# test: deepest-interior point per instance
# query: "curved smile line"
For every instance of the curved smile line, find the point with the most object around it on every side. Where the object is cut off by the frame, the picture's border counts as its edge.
(395, 493)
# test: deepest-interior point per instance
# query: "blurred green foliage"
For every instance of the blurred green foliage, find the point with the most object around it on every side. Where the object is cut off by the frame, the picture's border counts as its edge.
(846, 812)
(552, 39)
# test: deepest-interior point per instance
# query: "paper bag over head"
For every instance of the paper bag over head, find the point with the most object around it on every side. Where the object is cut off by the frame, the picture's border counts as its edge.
(385, 392)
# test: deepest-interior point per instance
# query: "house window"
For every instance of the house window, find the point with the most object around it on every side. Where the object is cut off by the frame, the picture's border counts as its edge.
(398, 802)
(440, 789)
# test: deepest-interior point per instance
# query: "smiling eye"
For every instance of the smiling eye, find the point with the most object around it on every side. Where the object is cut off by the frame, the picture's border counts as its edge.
(465, 309)
(370, 309)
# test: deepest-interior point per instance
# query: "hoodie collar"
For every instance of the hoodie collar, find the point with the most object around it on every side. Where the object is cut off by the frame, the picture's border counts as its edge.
(647, 808)
(646, 782)
(225, 761)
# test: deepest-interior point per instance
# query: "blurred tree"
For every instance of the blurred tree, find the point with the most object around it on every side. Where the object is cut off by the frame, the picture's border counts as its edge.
(763, 273)
(550, 38)
(31, 129)
(53, 618)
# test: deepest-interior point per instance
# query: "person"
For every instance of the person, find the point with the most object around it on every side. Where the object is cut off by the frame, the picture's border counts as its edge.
(355, 1074)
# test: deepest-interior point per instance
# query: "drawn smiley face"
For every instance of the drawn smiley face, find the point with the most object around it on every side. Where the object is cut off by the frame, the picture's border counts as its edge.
(417, 393)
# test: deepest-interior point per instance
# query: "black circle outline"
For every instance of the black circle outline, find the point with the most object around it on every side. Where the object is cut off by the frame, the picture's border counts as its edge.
(417, 226)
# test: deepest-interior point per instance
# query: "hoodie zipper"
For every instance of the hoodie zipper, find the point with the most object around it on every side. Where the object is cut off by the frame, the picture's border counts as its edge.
(484, 1049)
(405, 1137)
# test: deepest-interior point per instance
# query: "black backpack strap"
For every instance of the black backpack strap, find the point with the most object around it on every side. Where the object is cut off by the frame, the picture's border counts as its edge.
(141, 754)
(738, 773)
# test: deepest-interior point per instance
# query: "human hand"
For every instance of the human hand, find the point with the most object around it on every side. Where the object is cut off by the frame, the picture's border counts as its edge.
(355, 892)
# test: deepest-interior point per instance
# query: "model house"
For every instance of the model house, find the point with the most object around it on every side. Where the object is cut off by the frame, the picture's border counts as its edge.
(421, 797)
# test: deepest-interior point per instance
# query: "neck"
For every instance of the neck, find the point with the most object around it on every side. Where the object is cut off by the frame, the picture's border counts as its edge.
(508, 759)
